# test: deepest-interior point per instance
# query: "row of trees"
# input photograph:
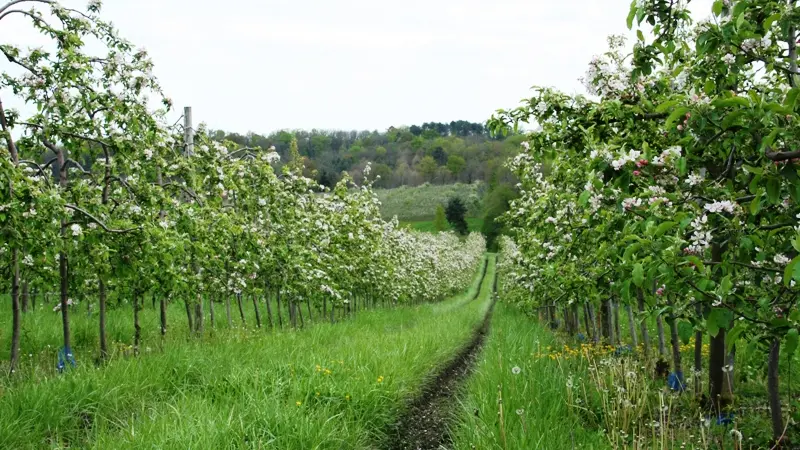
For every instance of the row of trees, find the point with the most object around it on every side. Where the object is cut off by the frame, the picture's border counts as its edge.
(140, 208)
(673, 190)
(405, 156)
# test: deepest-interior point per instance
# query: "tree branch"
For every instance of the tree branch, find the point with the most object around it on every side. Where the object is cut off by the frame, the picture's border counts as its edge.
(781, 156)
(749, 266)
(97, 221)
(16, 2)
(64, 133)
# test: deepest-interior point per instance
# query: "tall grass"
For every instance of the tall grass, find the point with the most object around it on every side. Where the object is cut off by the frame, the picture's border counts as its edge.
(326, 387)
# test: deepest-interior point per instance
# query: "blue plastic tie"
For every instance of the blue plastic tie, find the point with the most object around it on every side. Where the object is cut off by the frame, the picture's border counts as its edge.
(675, 381)
(65, 356)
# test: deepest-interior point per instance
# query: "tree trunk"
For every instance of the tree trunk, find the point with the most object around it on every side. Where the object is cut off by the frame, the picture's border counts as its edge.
(198, 315)
(211, 312)
(137, 330)
(716, 375)
(632, 327)
(16, 320)
(102, 306)
(676, 346)
(698, 354)
(643, 324)
(278, 310)
(333, 312)
(773, 390)
(163, 307)
(62, 269)
(662, 348)
(26, 294)
(586, 321)
(258, 313)
(189, 316)
(717, 359)
(228, 310)
(241, 308)
(617, 329)
(308, 303)
(269, 307)
(299, 312)
(593, 322)
(606, 322)
(33, 299)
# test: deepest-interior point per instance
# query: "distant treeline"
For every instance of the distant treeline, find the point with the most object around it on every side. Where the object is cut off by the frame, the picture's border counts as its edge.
(438, 153)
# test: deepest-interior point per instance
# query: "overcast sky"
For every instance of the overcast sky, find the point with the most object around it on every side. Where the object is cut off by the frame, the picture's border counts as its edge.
(262, 65)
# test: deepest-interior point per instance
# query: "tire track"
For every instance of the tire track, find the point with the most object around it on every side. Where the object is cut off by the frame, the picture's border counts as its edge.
(423, 426)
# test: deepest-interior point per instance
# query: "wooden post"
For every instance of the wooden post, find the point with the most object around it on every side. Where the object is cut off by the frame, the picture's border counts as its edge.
(188, 131)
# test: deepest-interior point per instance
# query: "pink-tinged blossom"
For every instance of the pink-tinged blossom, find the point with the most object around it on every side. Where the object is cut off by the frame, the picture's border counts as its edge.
(630, 203)
(660, 291)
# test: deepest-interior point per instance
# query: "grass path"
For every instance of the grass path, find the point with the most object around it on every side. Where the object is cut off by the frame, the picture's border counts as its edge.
(423, 426)
(327, 387)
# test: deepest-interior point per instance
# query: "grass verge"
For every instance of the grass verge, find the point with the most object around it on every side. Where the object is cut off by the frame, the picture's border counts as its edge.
(514, 400)
(327, 387)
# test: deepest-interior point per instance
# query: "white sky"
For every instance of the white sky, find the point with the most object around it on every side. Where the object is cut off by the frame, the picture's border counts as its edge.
(263, 65)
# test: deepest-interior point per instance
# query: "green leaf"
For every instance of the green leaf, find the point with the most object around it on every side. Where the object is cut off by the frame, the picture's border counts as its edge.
(755, 204)
(725, 286)
(685, 331)
(791, 97)
(768, 21)
(664, 227)
(631, 250)
(697, 262)
(676, 114)
(712, 328)
(717, 8)
(740, 21)
(638, 274)
(666, 105)
(739, 8)
(789, 272)
(767, 142)
(753, 186)
(640, 35)
(584, 198)
(730, 101)
(751, 169)
(710, 87)
(718, 318)
(632, 14)
(774, 191)
(792, 339)
(682, 165)
(732, 336)
(731, 118)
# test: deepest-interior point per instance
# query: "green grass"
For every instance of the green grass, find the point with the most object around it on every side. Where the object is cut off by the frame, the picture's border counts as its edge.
(415, 203)
(426, 224)
(326, 387)
(533, 413)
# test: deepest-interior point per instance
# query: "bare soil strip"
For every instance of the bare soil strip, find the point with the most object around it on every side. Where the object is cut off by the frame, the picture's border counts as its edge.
(424, 424)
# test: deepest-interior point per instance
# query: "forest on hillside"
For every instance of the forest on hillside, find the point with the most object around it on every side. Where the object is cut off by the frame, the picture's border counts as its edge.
(437, 153)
